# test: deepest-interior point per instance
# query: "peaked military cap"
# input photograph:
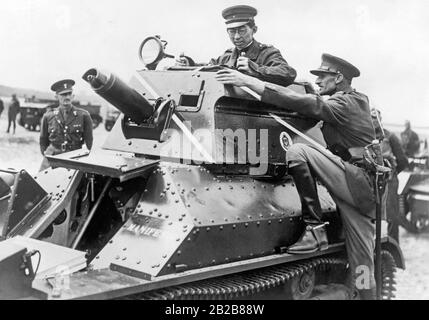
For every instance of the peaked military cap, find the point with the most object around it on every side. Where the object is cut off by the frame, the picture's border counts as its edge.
(334, 65)
(63, 86)
(237, 16)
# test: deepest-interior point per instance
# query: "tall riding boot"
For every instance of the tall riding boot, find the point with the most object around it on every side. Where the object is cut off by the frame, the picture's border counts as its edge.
(307, 190)
(314, 238)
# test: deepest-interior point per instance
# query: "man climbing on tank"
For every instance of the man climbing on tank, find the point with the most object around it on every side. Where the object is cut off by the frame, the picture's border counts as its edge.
(347, 126)
(248, 55)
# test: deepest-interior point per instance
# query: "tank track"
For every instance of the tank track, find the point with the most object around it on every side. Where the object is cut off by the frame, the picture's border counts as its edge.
(244, 284)
(388, 270)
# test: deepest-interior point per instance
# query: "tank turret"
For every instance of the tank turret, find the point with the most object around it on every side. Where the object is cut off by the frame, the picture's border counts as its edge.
(198, 121)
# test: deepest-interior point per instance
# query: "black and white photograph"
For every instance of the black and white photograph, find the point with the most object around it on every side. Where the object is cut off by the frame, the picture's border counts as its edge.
(231, 151)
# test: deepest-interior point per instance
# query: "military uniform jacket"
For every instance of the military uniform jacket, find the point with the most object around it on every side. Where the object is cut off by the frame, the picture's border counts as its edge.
(347, 124)
(266, 63)
(346, 115)
(65, 131)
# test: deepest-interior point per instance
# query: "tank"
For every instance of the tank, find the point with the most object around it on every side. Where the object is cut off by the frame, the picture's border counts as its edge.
(188, 198)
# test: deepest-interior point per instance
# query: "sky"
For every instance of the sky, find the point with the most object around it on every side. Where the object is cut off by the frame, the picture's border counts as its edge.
(43, 41)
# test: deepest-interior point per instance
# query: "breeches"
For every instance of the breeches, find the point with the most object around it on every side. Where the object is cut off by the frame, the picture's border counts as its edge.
(359, 229)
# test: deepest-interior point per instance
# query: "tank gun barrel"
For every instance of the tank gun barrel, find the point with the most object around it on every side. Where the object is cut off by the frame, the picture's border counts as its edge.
(120, 95)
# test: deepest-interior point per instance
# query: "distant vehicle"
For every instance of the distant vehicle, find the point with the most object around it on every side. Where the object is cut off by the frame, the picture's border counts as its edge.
(414, 196)
(33, 109)
(111, 117)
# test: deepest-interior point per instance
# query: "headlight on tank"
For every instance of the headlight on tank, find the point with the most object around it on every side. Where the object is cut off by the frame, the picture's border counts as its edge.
(151, 52)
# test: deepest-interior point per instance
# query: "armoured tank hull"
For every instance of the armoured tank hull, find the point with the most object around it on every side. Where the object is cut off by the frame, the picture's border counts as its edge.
(188, 198)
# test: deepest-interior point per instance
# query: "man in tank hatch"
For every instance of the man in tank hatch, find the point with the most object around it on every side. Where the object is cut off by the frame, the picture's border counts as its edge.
(347, 126)
(258, 60)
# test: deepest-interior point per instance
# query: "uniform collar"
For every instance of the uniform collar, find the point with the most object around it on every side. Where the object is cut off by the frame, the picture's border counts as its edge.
(69, 117)
(252, 50)
(63, 109)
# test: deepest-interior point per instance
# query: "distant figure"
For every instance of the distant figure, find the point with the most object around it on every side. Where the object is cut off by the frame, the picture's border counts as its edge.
(410, 140)
(399, 162)
(1, 107)
(393, 152)
(12, 113)
(65, 128)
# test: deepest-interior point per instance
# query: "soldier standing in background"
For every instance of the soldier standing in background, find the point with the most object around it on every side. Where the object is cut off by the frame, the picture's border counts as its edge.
(65, 128)
(410, 140)
(393, 152)
(248, 55)
(12, 113)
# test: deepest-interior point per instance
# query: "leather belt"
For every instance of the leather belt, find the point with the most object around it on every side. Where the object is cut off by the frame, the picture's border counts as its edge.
(67, 147)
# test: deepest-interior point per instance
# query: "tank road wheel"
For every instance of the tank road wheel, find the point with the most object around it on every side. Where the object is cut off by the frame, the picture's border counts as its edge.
(301, 287)
(388, 270)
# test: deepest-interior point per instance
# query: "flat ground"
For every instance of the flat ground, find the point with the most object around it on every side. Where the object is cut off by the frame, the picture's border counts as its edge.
(21, 151)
